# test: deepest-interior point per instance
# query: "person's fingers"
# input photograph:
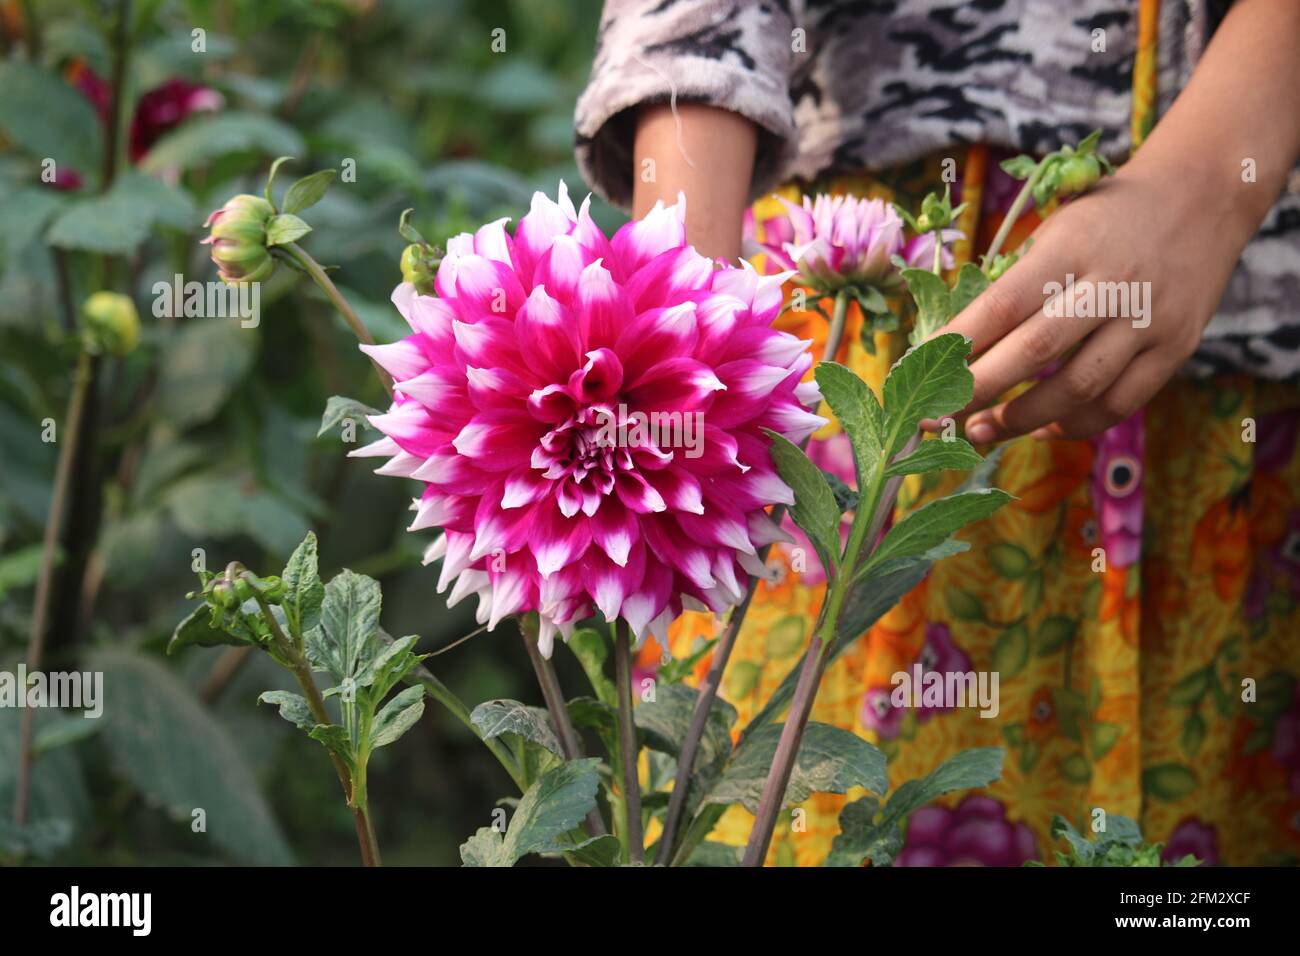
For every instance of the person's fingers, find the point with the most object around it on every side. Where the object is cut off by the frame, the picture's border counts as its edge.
(1024, 352)
(1135, 386)
(1085, 376)
(1010, 300)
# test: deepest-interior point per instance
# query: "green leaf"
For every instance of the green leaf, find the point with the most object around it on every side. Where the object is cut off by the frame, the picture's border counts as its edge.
(1019, 167)
(1168, 781)
(47, 118)
(933, 308)
(930, 380)
(1009, 560)
(830, 760)
(339, 409)
(204, 138)
(349, 625)
(590, 648)
(293, 708)
(1191, 688)
(308, 191)
(551, 807)
(1052, 633)
(862, 837)
(119, 220)
(664, 722)
(203, 362)
(303, 590)
(176, 753)
(496, 717)
(196, 630)
(859, 414)
(337, 741)
(930, 525)
(23, 216)
(971, 281)
(814, 508)
(397, 717)
(1011, 651)
(284, 229)
(57, 786)
(268, 192)
(937, 454)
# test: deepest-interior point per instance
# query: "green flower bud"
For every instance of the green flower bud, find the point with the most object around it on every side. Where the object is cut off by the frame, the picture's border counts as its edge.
(1077, 173)
(238, 240)
(223, 595)
(419, 266)
(923, 223)
(112, 325)
(272, 589)
(1001, 263)
(243, 589)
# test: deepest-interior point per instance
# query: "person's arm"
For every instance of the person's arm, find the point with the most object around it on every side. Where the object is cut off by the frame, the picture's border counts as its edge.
(705, 153)
(1176, 216)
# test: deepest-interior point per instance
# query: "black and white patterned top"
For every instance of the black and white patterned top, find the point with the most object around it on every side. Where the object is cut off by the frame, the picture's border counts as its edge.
(847, 85)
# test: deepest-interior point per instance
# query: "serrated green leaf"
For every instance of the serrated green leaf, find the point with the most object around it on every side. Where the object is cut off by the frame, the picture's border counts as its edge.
(308, 191)
(349, 623)
(664, 722)
(861, 837)
(936, 454)
(971, 281)
(397, 717)
(814, 510)
(196, 630)
(930, 525)
(551, 807)
(933, 303)
(859, 414)
(303, 590)
(284, 229)
(293, 708)
(496, 717)
(830, 760)
(930, 380)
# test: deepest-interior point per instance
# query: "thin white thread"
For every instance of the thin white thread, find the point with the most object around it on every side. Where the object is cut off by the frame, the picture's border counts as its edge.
(672, 105)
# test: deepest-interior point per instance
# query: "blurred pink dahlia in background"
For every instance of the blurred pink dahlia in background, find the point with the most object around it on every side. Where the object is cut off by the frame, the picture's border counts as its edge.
(838, 241)
(518, 401)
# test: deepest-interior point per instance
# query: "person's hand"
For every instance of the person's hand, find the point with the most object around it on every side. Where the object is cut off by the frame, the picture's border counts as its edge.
(1170, 244)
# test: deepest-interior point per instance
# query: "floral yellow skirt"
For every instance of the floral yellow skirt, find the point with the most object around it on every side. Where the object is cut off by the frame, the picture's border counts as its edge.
(1158, 681)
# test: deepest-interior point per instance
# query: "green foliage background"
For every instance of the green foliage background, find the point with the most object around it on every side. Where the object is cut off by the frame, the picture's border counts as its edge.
(205, 436)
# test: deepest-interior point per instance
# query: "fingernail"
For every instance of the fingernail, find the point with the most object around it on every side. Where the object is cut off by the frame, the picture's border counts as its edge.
(979, 431)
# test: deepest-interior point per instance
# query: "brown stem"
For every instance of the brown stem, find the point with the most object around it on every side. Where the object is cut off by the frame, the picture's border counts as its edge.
(627, 743)
(553, 694)
(45, 577)
(770, 803)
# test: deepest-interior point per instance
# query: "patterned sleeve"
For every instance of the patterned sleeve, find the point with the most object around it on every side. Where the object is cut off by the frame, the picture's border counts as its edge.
(733, 54)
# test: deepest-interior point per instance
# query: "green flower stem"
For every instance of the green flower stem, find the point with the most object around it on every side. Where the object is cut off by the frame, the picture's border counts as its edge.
(708, 689)
(627, 744)
(553, 694)
(45, 576)
(440, 692)
(318, 275)
(1013, 214)
(301, 670)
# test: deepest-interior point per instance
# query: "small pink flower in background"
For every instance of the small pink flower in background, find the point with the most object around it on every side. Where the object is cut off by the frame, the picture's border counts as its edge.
(837, 241)
(533, 344)
(1117, 490)
(941, 654)
(157, 112)
(1194, 837)
(162, 109)
(879, 713)
(974, 833)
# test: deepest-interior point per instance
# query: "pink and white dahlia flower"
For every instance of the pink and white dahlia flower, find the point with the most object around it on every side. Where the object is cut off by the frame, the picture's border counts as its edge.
(838, 241)
(587, 415)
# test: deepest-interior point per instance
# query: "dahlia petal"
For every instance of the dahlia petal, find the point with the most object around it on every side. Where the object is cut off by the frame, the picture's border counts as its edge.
(467, 583)
(485, 288)
(599, 379)
(764, 531)
(549, 335)
(410, 426)
(402, 359)
(435, 551)
(655, 336)
(499, 439)
(509, 594)
(614, 529)
(661, 229)
(383, 447)
(524, 487)
(608, 583)
(604, 308)
(401, 465)
(679, 489)
(665, 279)
(682, 384)
(457, 558)
(493, 242)
(556, 541)
(560, 268)
(635, 492)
